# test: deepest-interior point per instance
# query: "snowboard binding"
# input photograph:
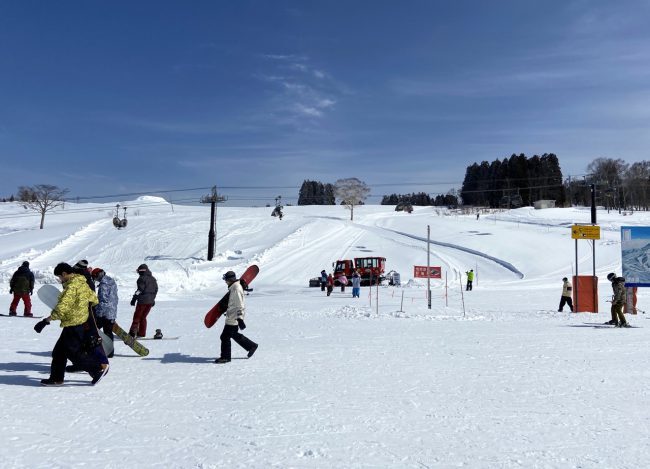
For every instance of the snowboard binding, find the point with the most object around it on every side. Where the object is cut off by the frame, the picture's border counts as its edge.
(158, 334)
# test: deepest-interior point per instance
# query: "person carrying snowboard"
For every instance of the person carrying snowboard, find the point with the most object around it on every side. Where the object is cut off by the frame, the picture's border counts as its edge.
(106, 310)
(618, 300)
(566, 295)
(145, 296)
(72, 310)
(234, 320)
(92, 325)
(22, 286)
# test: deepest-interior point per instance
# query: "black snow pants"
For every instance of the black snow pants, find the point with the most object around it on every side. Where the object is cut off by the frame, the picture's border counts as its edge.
(566, 300)
(232, 332)
(70, 347)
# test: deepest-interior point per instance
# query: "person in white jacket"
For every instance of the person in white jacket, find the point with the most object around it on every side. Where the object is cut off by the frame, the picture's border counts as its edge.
(567, 292)
(234, 320)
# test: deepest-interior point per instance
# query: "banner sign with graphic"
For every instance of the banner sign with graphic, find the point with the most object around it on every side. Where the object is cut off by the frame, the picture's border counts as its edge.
(420, 271)
(635, 254)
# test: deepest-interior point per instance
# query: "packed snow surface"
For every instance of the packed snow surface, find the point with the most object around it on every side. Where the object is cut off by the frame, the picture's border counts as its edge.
(494, 377)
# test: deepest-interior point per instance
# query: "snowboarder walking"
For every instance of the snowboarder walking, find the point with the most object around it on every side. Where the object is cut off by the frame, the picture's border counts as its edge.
(72, 310)
(323, 280)
(106, 310)
(330, 284)
(356, 284)
(145, 297)
(470, 279)
(566, 295)
(22, 286)
(234, 320)
(618, 300)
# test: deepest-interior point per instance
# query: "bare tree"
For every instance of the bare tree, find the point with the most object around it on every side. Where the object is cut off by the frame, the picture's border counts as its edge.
(352, 192)
(41, 198)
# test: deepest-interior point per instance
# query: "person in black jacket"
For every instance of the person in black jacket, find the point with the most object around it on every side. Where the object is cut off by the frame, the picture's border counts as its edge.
(82, 268)
(145, 297)
(22, 286)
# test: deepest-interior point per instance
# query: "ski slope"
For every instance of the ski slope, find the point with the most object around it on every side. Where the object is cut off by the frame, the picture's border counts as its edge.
(495, 377)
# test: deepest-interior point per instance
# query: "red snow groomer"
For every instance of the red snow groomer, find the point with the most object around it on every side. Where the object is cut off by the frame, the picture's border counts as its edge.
(370, 269)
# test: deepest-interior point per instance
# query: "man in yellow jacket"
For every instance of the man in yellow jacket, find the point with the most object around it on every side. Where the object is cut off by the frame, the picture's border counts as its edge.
(72, 310)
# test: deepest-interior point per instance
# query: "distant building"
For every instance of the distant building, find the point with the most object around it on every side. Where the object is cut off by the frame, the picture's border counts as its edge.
(540, 204)
(511, 201)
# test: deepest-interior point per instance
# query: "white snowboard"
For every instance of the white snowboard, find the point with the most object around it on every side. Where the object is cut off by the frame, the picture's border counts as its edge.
(49, 295)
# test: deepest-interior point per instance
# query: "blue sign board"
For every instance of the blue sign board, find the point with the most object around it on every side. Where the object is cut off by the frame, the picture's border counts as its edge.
(635, 253)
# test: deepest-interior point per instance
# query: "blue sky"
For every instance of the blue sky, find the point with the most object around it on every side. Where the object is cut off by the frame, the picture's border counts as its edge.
(133, 96)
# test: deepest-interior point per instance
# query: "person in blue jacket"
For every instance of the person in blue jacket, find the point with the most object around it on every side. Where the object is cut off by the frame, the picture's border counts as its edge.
(323, 280)
(106, 310)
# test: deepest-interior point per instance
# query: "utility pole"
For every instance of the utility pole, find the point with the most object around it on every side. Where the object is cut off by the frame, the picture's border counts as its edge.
(429, 266)
(212, 199)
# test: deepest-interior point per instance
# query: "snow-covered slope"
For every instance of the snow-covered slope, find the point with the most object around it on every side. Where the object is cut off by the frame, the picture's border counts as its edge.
(495, 377)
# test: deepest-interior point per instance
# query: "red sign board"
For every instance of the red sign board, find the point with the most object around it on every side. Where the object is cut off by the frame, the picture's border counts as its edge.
(420, 271)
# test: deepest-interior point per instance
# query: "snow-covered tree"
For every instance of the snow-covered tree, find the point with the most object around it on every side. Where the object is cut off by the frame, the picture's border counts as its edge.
(351, 192)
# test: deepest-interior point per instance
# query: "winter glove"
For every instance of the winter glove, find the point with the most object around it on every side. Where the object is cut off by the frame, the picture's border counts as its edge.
(40, 325)
(133, 300)
(242, 324)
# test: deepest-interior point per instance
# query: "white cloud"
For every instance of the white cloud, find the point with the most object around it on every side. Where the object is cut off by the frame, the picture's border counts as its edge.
(304, 91)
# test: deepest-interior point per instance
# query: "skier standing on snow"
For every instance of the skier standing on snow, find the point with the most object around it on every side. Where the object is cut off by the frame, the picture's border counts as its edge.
(72, 310)
(234, 320)
(356, 284)
(323, 280)
(106, 310)
(566, 295)
(330, 284)
(22, 286)
(618, 300)
(145, 296)
(470, 279)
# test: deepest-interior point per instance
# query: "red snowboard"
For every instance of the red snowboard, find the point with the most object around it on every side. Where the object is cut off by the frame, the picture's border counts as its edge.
(218, 309)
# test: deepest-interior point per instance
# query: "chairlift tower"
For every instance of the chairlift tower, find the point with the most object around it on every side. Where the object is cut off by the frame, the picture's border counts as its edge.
(212, 199)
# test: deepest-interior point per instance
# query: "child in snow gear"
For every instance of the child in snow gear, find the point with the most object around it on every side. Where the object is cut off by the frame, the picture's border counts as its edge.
(330, 284)
(566, 295)
(618, 300)
(323, 280)
(234, 314)
(470, 279)
(72, 310)
(356, 284)
(22, 286)
(145, 297)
